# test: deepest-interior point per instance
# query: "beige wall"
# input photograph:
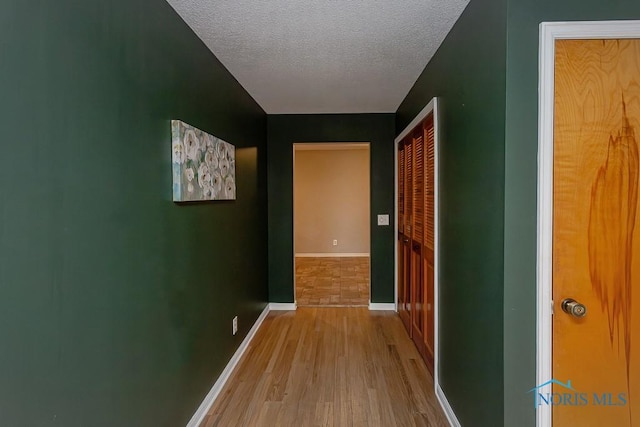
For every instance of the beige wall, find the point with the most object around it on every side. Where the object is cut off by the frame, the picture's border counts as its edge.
(331, 200)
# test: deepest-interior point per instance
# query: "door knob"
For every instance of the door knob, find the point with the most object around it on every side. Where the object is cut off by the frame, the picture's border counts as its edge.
(574, 308)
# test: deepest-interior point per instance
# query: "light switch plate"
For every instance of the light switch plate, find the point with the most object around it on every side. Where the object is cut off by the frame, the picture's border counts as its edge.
(383, 219)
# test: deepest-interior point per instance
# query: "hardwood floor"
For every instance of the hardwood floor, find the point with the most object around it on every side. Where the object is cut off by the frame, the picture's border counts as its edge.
(329, 367)
(332, 281)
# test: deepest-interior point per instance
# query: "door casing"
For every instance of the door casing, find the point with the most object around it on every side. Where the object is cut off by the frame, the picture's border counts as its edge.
(549, 33)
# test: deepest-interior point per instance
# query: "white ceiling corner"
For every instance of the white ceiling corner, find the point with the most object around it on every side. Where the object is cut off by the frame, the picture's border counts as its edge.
(323, 56)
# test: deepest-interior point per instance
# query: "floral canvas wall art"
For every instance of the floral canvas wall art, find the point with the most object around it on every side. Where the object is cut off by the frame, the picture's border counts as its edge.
(204, 167)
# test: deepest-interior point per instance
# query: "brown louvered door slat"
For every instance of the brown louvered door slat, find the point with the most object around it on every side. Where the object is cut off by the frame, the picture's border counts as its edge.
(429, 202)
(408, 187)
(429, 234)
(417, 191)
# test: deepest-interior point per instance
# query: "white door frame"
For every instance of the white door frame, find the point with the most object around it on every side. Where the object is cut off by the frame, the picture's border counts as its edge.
(549, 33)
(432, 106)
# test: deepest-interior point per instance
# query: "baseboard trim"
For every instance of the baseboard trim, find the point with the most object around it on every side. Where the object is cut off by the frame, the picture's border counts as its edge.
(332, 255)
(382, 306)
(206, 404)
(446, 407)
(282, 306)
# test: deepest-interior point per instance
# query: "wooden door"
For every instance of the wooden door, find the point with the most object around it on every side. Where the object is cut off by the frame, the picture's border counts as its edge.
(416, 231)
(418, 303)
(596, 246)
(428, 131)
(404, 282)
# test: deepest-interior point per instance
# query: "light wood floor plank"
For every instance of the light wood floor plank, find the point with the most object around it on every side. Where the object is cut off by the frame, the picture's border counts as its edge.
(329, 367)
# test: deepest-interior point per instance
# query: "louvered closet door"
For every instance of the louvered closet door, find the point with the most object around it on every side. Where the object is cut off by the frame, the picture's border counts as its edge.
(403, 281)
(417, 237)
(406, 314)
(429, 234)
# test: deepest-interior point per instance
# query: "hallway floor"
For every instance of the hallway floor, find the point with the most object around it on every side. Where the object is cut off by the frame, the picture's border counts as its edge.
(332, 281)
(329, 367)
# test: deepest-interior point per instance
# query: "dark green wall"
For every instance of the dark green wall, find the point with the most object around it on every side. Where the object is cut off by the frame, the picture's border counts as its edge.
(467, 74)
(524, 17)
(283, 132)
(115, 302)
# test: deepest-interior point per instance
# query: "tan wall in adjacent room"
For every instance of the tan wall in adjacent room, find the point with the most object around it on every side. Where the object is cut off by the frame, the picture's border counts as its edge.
(331, 200)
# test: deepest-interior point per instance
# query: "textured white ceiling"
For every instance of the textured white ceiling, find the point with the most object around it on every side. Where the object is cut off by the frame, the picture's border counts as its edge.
(323, 56)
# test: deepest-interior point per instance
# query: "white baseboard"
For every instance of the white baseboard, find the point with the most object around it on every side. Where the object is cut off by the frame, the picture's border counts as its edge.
(206, 404)
(382, 306)
(282, 306)
(446, 407)
(332, 255)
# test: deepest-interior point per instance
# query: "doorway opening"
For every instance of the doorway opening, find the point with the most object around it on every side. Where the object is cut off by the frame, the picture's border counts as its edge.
(332, 230)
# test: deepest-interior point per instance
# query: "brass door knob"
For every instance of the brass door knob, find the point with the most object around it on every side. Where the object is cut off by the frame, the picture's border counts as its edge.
(574, 308)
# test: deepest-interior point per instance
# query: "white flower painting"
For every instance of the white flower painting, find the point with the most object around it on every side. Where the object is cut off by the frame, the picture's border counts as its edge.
(204, 167)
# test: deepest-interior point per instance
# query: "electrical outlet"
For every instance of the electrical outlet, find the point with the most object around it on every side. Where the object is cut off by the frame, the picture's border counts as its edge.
(335, 243)
(235, 325)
